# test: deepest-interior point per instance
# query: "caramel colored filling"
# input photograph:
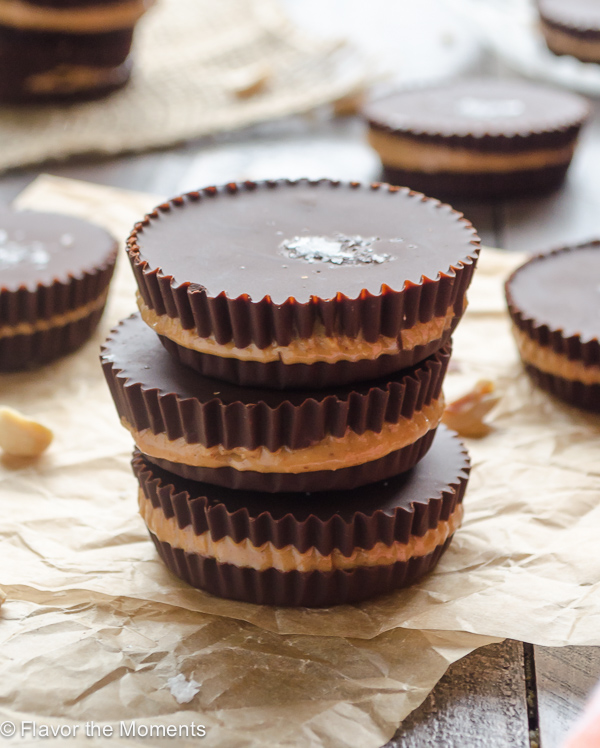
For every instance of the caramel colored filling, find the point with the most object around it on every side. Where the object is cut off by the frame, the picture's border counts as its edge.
(551, 362)
(319, 347)
(70, 79)
(289, 558)
(398, 152)
(331, 453)
(563, 43)
(59, 320)
(91, 19)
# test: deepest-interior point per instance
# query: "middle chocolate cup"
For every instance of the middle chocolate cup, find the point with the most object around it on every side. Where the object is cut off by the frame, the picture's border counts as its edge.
(268, 440)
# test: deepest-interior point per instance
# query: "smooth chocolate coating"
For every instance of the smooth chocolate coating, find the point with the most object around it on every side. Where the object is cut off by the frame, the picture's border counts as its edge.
(489, 114)
(233, 243)
(560, 290)
(44, 248)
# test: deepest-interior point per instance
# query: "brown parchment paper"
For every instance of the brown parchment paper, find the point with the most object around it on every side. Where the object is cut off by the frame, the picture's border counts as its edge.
(95, 629)
(524, 565)
(193, 58)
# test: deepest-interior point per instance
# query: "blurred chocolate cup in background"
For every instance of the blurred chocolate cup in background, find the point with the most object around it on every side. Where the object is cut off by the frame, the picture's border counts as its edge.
(65, 50)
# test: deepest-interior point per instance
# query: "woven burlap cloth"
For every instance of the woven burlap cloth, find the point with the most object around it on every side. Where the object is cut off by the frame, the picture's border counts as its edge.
(201, 66)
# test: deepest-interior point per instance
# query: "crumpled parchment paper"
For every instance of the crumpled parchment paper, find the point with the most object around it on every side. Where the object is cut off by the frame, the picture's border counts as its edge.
(91, 603)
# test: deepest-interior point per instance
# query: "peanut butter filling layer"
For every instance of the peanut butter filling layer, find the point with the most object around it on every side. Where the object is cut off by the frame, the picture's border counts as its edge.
(91, 19)
(72, 78)
(58, 320)
(319, 347)
(289, 558)
(561, 42)
(399, 152)
(547, 360)
(331, 453)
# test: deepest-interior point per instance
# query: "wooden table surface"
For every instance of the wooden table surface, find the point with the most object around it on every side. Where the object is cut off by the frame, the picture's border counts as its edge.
(509, 694)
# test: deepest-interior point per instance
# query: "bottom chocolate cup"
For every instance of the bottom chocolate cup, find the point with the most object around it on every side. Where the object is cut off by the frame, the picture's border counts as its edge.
(20, 352)
(297, 549)
(481, 185)
(295, 588)
(572, 391)
(327, 480)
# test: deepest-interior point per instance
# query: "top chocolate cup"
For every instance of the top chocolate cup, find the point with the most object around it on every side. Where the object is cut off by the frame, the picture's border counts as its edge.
(289, 284)
(553, 302)
(55, 272)
(571, 28)
(477, 137)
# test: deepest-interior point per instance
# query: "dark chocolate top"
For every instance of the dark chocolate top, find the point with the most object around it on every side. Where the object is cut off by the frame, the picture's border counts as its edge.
(41, 248)
(445, 464)
(304, 239)
(561, 290)
(478, 107)
(576, 15)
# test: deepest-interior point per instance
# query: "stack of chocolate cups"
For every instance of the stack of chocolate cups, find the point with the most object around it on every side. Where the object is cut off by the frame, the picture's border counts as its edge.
(283, 385)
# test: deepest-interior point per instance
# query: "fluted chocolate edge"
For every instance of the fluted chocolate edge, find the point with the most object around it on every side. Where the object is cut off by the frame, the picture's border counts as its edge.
(558, 136)
(572, 391)
(262, 322)
(19, 352)
(315, 589)
(252, 425)
(362, 531)
(42, 301)
(320, 374)
(573, 347)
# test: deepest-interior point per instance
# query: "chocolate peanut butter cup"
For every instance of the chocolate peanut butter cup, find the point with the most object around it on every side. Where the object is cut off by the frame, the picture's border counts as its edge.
(264, 439)
(322, 549)
(478, 138)
(553, 301)
(290, 284)
(54, 277)
(571, 28)
(73, 50)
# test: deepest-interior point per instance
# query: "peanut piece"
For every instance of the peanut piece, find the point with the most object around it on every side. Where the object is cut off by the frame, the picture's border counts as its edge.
(22, 436)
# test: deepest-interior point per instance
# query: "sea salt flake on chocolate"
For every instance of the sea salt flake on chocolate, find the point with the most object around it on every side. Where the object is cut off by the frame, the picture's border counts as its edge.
(338, 250)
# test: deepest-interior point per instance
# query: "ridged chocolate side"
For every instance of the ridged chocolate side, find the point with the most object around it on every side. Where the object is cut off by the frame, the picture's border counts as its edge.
(389, 511)
(316, 480)
(19, 352)
(43, 301)
(263, 322)
(584, 396)
(152, 391)
(573, 346)
(481, 186)
(314, 589)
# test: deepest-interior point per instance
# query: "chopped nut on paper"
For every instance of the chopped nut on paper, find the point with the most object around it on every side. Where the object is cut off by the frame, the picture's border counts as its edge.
(21, 436)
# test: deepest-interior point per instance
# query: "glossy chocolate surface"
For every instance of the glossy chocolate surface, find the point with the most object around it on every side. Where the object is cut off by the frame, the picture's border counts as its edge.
(560, 290)
(41, 248)
(262, 241)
